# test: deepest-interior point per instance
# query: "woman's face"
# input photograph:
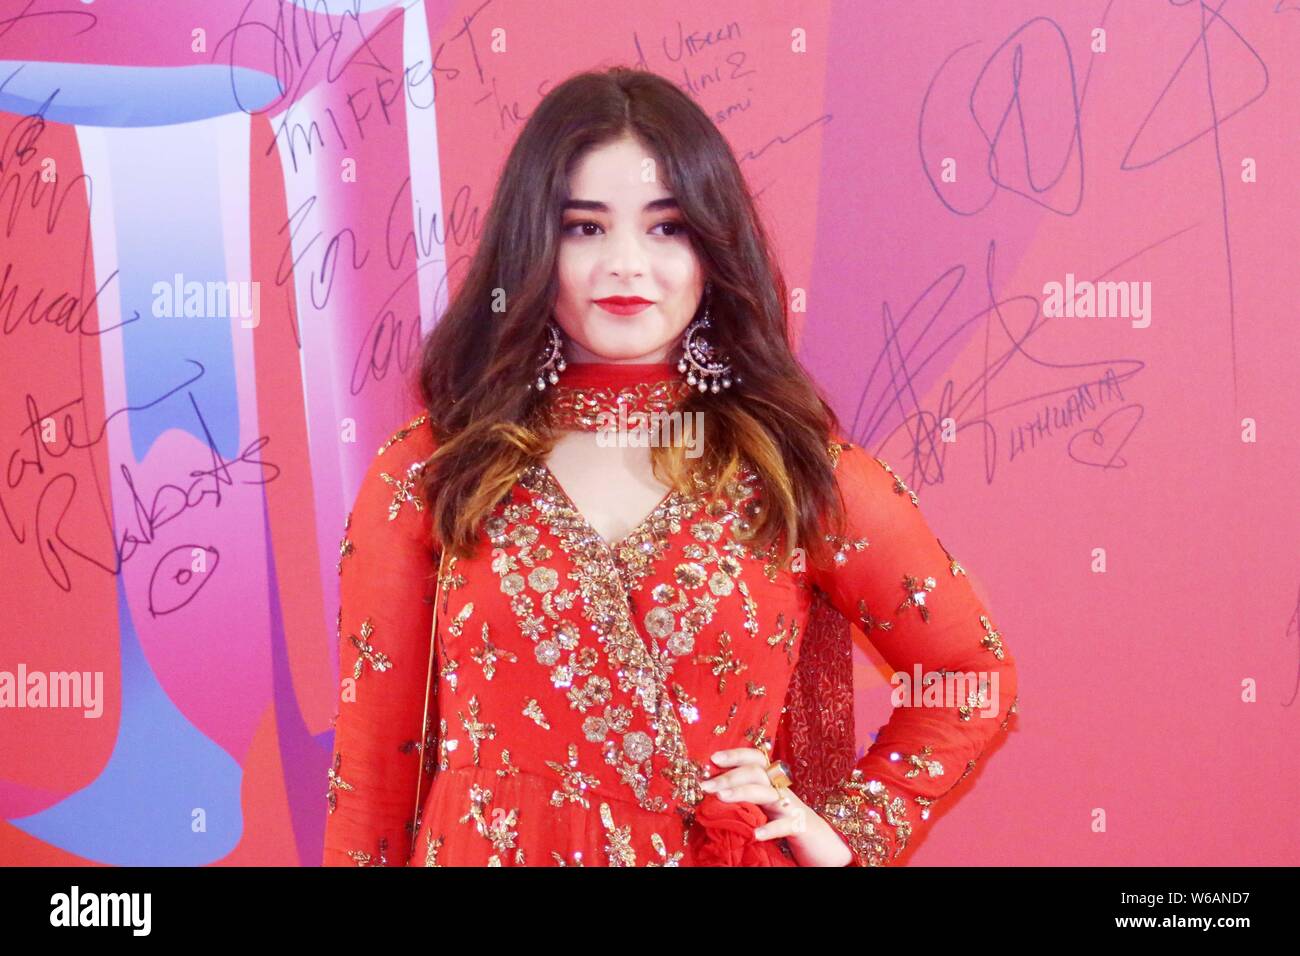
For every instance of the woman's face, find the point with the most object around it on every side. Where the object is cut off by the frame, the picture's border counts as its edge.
(622, 235)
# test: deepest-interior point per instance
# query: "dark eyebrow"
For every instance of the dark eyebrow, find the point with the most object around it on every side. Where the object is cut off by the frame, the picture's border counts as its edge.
(590, 205)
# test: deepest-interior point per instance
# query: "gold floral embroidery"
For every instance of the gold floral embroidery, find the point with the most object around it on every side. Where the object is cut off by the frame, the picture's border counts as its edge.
(366, 652)
(917, 589)
(404, 490)
(868, 621)
(900, 487)
(855, 809)
(448, 673)
(751, 609)
(616, 720)
(452, 579)
(503, 838)
(758, 737)
(786, 636)
(1014, 708)
(429, 748)
(445, 745)
(605, 577)
(509, 769)
(573, 782)
(642, 741)
(477, 730)
(953, 566)
(401, 433)
(724, 662)
(495, 826)
(574, 407)
(431, 849)
(533, 711)
(924, 803)
(689, 574)
(619, 848)
(456, 627)
(660, 622)
(768, 555)
(845, 545)
(917, 762)
(662, 849)
(345, 545)
(978, 700)
(992, 640)
(487, 656)
(721, 728)
(362, 858)
(336, 783)
(687, 703)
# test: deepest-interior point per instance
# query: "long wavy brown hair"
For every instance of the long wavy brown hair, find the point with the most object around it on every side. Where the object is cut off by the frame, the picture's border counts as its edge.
(476, 364)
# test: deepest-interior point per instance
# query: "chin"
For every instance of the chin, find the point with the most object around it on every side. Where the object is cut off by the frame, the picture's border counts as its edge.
(616, 345)
(627, 354)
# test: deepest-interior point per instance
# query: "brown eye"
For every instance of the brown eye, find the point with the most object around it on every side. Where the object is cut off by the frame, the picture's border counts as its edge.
(578, 224)
(675, 227)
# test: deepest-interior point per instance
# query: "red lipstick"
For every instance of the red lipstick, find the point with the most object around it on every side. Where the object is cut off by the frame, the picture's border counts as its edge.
(623, 304)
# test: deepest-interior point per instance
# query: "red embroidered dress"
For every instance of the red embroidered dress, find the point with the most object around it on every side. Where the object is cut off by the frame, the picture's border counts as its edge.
(578, 689)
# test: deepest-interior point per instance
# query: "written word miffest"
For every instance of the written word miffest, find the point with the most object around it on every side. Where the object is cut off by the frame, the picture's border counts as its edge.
(648, 430)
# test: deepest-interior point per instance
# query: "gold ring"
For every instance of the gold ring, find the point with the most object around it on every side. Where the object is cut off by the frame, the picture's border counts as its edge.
(779, 774)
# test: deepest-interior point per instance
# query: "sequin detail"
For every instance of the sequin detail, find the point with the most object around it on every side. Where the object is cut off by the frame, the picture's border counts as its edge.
(583, 408)
(863, 811)
(402, 433)
(576, 672)
(366, 652)
(605, 575)
(336, 783)
(404, 490)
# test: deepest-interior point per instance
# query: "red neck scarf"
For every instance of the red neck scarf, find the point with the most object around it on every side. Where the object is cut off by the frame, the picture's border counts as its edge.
(587, 391)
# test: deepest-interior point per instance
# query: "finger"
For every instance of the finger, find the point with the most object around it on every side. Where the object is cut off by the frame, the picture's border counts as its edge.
(736, 778)
(739, 757)
(780, 827)
(763, 794)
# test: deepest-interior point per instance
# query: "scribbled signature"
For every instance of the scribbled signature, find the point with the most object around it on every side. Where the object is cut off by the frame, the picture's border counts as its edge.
(968, 406)
(149, 512)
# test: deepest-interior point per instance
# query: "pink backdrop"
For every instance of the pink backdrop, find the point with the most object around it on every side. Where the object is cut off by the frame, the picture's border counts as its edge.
(1120, 486)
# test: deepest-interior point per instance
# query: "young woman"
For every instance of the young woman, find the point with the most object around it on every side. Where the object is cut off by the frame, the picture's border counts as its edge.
(628, 654)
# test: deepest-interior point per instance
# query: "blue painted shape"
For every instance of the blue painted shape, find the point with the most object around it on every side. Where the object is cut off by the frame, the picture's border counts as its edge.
(139, 810)
(97, 94)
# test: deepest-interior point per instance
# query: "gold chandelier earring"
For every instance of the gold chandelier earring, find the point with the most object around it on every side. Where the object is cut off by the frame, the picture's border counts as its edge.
(704, 368)
(552, 359)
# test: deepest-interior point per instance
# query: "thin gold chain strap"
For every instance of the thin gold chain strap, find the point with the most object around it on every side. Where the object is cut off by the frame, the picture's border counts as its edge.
(424, 722)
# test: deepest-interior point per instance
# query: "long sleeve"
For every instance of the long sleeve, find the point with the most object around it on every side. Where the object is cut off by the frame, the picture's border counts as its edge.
(895, 580)
(387, 577)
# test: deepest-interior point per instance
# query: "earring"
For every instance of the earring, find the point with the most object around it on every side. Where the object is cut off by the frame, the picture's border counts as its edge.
(698, 360)
(552, 359)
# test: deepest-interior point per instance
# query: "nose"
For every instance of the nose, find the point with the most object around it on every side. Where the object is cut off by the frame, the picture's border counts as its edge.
(625, 255)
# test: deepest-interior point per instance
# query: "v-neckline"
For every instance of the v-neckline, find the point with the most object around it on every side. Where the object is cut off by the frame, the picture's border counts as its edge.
(612, 548)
